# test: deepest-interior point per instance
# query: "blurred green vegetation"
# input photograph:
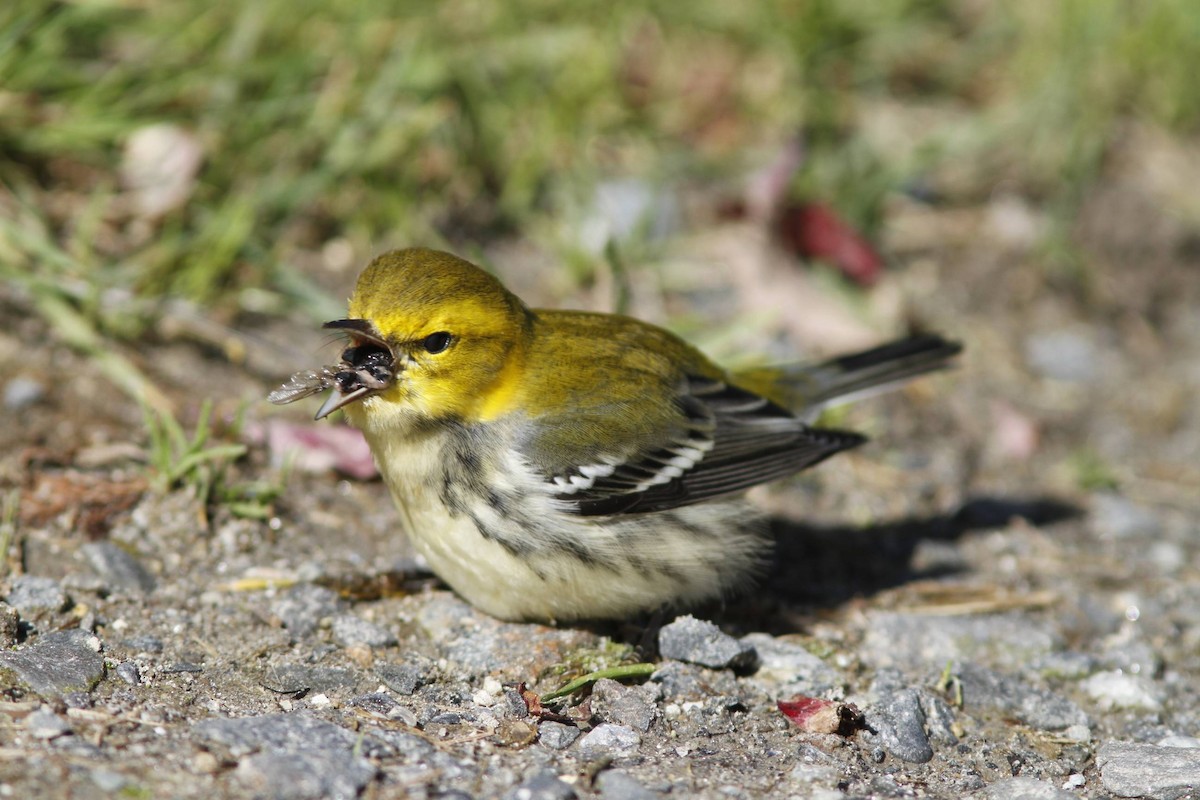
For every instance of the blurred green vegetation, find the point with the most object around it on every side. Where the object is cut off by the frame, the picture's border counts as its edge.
(462, 121)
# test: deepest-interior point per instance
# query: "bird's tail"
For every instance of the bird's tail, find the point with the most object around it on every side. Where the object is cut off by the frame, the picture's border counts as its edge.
(809, 388)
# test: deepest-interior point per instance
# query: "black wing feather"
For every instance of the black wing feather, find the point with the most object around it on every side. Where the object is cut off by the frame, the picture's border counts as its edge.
(743, 439)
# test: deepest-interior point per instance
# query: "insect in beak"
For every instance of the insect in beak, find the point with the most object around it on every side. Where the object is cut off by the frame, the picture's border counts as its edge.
(367, 367)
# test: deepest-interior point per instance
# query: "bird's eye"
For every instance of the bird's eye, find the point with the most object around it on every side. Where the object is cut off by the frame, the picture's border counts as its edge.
(436, 342)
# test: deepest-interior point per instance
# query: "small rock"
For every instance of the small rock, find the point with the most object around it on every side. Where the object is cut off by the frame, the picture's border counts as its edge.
(542, 786)
(789, 665)
(617, 785)
(923, 641)
(303, 607)
(608, 740)
(108, 781)
(36, 597)
(1116, 689)
(482, 645)
(685, 682)
(350, 630)
(627, 705)
(1066, 355)
(1117, 517)
(57, 663)
(292, 678)
(384, 706)
(313, 775)
(119, 570)
(45, 724)
(701, 642)
(21, 393)
(1145, 770)
(1024, 789)
(900, 722)
(556, 735)
(143, 644)
(280, 733)
(404, 678)
(1189, 742)
(983, 688)
(128, 672)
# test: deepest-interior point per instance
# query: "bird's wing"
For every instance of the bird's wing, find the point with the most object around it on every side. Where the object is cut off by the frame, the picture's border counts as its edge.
(719, 440)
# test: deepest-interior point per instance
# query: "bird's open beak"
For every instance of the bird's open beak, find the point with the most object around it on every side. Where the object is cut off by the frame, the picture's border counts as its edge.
(367, 367)
(338, 400)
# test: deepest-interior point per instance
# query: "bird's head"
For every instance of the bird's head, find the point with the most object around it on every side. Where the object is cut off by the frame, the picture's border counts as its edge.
(431, 336)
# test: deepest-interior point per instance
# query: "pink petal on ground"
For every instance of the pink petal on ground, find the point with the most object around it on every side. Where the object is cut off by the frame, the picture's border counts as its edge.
(320, 448)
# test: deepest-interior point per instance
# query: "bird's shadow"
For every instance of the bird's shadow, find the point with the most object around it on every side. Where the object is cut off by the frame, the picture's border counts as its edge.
(817, 568)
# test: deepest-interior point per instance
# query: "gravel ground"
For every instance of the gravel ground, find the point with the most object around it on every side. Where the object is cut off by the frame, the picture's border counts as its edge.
(998, 595)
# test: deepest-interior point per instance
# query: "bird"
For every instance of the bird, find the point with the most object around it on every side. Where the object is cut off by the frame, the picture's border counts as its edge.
(560, 465)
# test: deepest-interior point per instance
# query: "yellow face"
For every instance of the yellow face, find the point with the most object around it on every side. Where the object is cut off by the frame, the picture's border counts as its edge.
(430, 334)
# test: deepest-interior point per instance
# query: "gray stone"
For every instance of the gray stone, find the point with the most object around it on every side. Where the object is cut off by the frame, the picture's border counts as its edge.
(119, 570)
(1065, 355)
(107, 780)
(129, 672)
(482, 645)
(1038, 708)
(634, 706)
(683, 682)
(1117, 517)
(617, 785)
(1116, 689)
(556, 735)
(303, 607)
(36, 597)
(308, 776)
(57, 663)
(701, 642)
(926, 642)
(1024, 789)
(350, 630)
(900, 722)
(404, 678)
(384, 706)
(543, 786)
(791, 667)
(45, 724)
(279, 733)
(143, 644)
(291, 678)
(608, 740)
(21, 393)
(1145, 770)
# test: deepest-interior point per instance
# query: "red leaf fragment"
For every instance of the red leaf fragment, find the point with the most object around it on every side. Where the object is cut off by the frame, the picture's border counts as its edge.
(814, 715)
(814, 230)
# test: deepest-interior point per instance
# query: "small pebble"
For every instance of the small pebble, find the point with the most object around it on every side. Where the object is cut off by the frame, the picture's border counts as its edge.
(617, 785)
(900, 721)
(542, 786)
(608, 740)
(1021, 788)
(349, 630)
(128, 672)
(57, 663)
(403, 678)
(633, 706)
(34, 596)
(119, 570)
(45, 724)
(556, 735)
(1116, 689)
(21, 393)
(1129, 769)
(303, 607)
(701, 642)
